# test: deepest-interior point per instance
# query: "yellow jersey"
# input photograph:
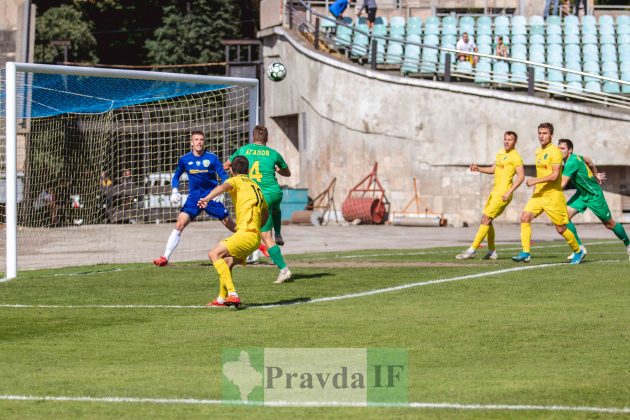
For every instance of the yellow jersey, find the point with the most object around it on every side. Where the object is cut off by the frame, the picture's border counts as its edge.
(505, 166)
(546, 158)
(249, 203)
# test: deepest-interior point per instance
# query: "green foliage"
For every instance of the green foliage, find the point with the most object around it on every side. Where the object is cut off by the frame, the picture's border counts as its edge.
(192, 32)
(64, 23)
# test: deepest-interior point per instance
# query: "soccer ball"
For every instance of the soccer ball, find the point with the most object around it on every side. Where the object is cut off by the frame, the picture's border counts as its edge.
(276, 72)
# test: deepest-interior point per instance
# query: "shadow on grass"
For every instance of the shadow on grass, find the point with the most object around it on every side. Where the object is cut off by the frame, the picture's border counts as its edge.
(303, 276)
(278, 302)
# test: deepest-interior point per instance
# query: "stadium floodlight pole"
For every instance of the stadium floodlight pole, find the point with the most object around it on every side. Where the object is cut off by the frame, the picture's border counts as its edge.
(12, 68)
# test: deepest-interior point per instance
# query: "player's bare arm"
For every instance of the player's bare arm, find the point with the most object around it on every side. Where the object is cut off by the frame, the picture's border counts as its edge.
(555, 173)
(284, 172)
(220, 189)
(601, 176)
(227, 164)
(520, 177)
(482, 169)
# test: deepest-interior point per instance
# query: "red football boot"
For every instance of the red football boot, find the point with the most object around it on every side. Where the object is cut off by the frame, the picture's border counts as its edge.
(233, 301)
(160, 262)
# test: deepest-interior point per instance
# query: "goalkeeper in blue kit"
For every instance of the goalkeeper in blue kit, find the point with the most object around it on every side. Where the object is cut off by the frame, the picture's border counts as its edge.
(202, 168)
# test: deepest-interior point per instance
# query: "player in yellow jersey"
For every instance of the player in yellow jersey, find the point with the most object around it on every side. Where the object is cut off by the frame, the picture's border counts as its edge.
(251, 213)
(547, 197)
(506, 164)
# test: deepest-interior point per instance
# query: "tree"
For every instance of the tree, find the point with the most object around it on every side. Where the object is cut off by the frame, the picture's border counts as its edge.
(192, 32)
(64, 23)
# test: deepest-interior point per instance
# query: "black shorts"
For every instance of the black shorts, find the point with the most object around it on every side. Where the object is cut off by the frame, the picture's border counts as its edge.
(371, 15)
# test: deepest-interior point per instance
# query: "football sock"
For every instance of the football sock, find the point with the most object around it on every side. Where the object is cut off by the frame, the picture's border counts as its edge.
(481, 233)
(572, 228)
(491, 246)
(225, 277)
(276, 256)
(172, 242)
(620, 233)
(570, 238)
(526, 236)
(277, 222)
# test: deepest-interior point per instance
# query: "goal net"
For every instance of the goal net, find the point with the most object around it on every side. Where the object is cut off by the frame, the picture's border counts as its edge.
(94, 152)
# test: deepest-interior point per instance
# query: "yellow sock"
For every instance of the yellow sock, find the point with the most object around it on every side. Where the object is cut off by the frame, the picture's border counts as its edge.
(526, 236)
(570, 238)
(225, 276)
(481, 233)
(491, 246)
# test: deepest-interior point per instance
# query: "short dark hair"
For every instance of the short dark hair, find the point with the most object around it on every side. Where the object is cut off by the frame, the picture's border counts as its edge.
(240, 165)
(261, 133)
(568, 142)
(197, 132)
(511, 133)
(548, 126)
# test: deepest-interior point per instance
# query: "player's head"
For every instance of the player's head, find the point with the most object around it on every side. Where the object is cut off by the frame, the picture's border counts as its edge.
(197, 141)
(545, 132)
(566, 147)
(260, 134)
(240, 165)
(509, 140)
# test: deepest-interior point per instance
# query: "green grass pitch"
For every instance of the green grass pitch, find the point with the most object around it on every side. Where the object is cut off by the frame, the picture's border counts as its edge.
(552, 336)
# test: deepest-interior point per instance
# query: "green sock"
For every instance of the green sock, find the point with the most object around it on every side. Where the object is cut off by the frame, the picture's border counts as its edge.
(277, 221)
(276, 256)
(572, 228)
(620, 233)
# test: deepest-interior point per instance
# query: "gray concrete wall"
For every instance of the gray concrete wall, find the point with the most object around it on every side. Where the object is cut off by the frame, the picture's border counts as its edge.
(351, 117)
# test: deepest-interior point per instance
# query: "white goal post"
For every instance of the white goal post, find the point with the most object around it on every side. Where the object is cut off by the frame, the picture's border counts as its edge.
(18, 101)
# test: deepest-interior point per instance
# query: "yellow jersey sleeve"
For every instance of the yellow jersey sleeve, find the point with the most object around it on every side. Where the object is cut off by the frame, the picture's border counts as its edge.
(555, 155)
(517, 160)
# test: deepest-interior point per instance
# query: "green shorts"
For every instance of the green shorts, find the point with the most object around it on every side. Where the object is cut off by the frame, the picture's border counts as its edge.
(596, 203)
(273, 199)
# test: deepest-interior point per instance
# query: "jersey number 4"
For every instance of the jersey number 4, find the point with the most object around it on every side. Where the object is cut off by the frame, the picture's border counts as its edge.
(254, 172)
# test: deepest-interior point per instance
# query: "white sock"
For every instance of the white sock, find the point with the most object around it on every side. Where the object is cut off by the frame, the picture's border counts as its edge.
(471, 250)
(284, 270)
(172, 242)
(220, 300)
(233, 294)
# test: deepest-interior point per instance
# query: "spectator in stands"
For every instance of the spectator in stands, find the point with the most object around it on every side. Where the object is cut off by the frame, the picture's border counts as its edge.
(370, 8)
(501, 49)
(566, 8)
(555, 8)
(464, 45)
(577, 7)
(338, 7)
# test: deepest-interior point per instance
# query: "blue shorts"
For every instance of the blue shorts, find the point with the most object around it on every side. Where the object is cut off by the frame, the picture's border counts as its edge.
(214, 209)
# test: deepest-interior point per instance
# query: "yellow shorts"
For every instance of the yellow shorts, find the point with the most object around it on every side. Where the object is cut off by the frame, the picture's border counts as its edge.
(495, 205)
(553, 203)
(242, 243)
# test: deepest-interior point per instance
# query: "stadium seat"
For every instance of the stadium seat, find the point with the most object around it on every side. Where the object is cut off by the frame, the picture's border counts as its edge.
(623, 28)
(625, 67)
(536, 25)
(394, 53)
(554, 20)
(589, 20)
(442, 62)
(554, 39)
(466, 20)
(571, 39)
(397, 21)
(484, 29)
(429, 60)
(361, 21)
(590, 52)
(593, 86)
(413, 38)
(609, 52)
(623, 20)
(347, 20)
(574, 87)
(379, 30)
(414, 21)
(606, 29)
(343, 37)
(519, 20)
(449, 40)
(519, 52)
(431, 40)
(555, 76)
(414, 29)
(327, 25)
(463, 67)
(610, 67)
(537, 39)
(501, 30)
(485, 49)
(468, 28)
(606, 20)
(519, 39)
(623, 39)
(589, 39)
(502, 20)
(571, 28)
(431, 29)
(572, 53)
(449, 20)
(359, 45)
(539, 74)
(554, 29)
(380, 50)
(625, 76)
(411, 61)
(537, 53)
(380, 20)
(554, 52)
(449, 29)
(397, 31)
(572, 77)
(432, 21)
(519, 72)
(484, 39)
(484, 21)
(482, 72)
(571, 20)
(591, 67)
(611, 87)
(500, 72)
(607, 39)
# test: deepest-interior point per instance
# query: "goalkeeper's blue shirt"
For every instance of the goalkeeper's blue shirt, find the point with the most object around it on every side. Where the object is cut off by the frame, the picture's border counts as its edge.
(202, 173)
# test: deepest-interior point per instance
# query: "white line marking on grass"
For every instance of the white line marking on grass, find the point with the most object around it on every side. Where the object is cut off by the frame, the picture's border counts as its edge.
(192, 401)
(108, 306)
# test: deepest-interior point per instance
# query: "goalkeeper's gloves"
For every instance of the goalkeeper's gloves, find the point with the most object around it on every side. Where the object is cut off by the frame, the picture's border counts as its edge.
(220, 198)
(176, 197)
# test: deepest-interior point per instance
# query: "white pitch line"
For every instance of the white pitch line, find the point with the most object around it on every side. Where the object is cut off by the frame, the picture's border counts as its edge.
(419, 405)
(317, 300)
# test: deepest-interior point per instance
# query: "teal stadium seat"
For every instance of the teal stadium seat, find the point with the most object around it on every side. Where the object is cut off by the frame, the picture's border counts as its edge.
(506, 39)
(414, 28)
(343, 38)
(397, 31)
(347, 20)
(554, 29)
(463, 67)
(519, 39)
(500, 72)
(589, 20)
(468, 28)
(327, 25)
(485, 49)
(572, 39)
(519, 30)
(554, 20)
(539, 74)
(432, 25)
(623, 28)
(519, 52)
(625, 76)
(431, 40)
(482, 73)
(397, 21)
(572, 77)
(536, 39)
(554, 39)
(571, 28)
(609, 53)
(575, 87)
(429, 60)
(414, 21)
(607, 39)
(519, 20)
(589, 28)
(590, 52)
(537, 53)
(556, 80)
(571, 20)
(361, 21)
(606, 30)
(589, 39)
(572, 53)
(466, 20)
(519, 72)
(501, 30)
(625, 66)
(536, 25)
(449, 29)
(449, 20)
(623, 20)
(379, 30)
(606, 20)
(484, 39)
(610, 68)
(411, 61)
(484, 20)
(380, 44)
(394, 53)
(611, 87)
(502, 20)
(483, 29)
(591, 67)
(449, 39)
(442, 64)
(360, 44)
(380, 20)
(414, 38)
(624, 52)
(554, 55)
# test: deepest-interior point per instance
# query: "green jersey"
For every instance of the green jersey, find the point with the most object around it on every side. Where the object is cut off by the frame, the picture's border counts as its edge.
(581, 176)
(262, 165)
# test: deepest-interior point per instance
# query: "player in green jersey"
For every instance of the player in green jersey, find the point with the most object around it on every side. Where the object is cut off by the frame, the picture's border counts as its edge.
(581, 173)
(264, 163)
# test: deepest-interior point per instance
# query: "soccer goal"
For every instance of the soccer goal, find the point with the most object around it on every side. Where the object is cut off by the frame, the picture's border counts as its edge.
(87, 152)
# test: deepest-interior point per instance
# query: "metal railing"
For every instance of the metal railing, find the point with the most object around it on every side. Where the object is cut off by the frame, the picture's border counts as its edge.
(321, 28)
